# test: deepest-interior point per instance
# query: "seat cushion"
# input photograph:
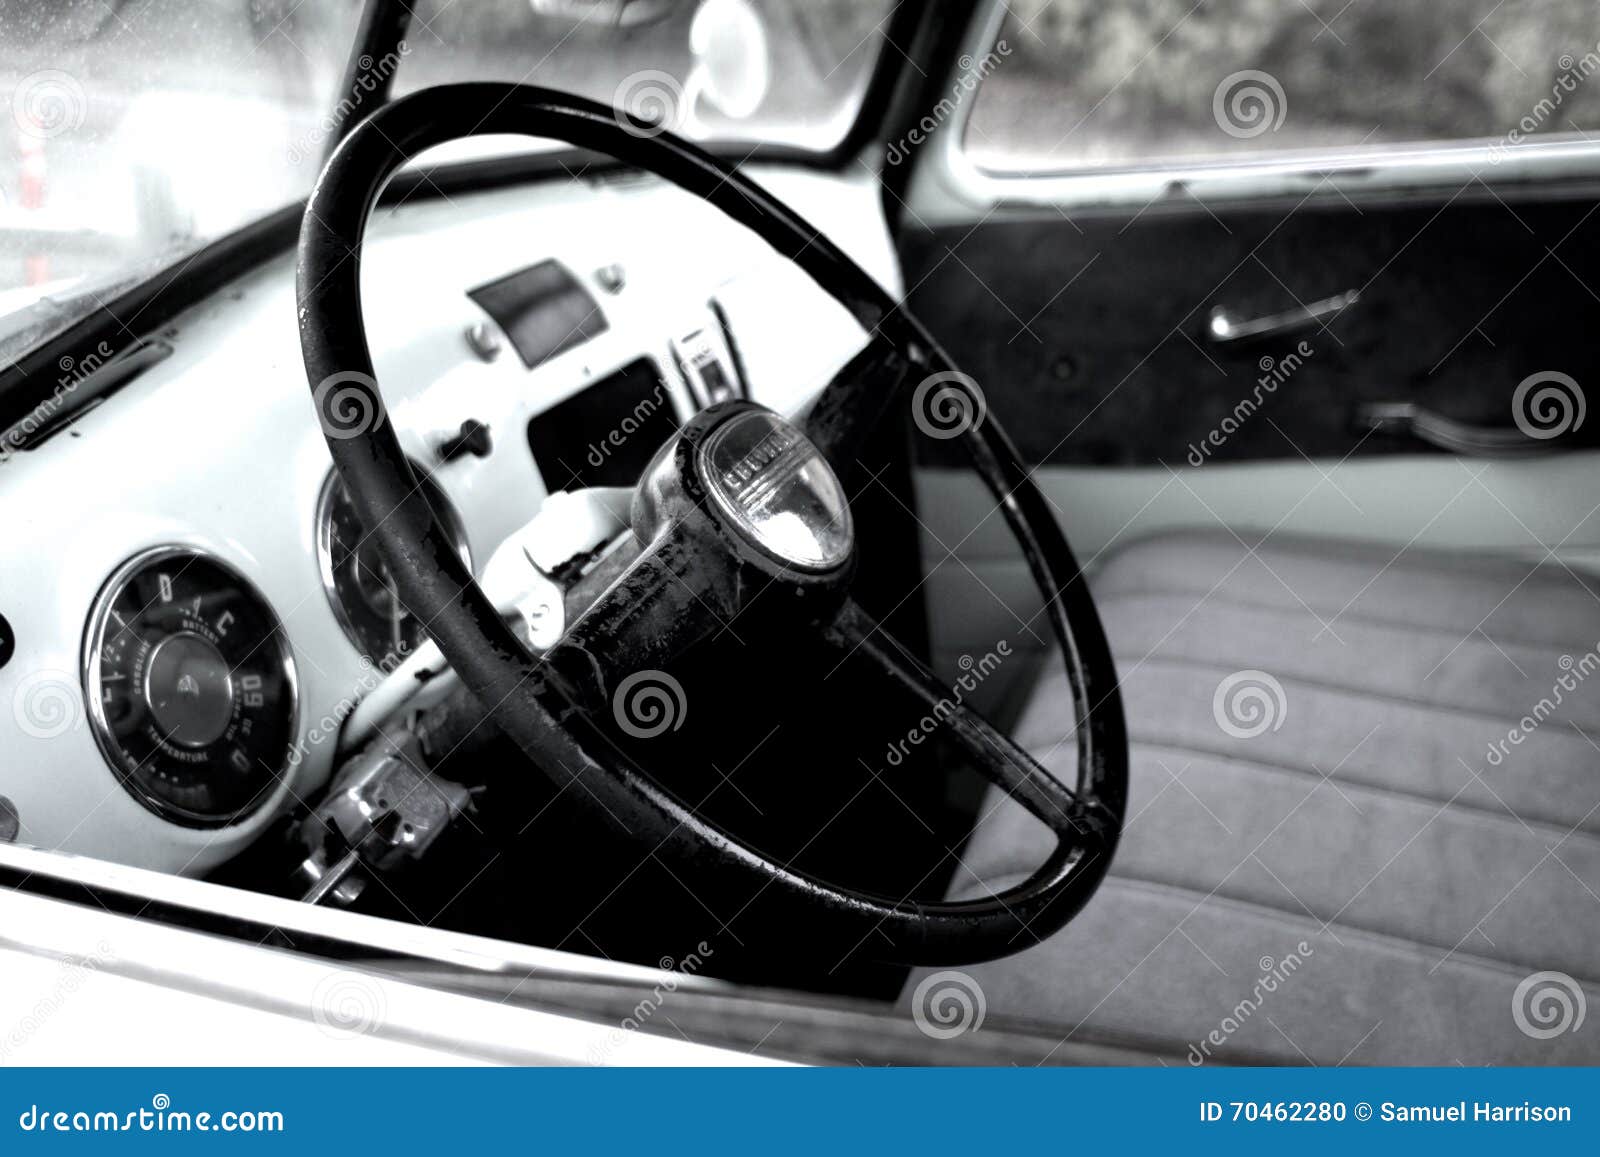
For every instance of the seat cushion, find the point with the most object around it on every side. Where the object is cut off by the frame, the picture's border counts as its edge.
(1364, 820)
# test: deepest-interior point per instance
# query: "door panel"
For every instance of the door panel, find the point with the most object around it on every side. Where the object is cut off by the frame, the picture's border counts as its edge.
(1070, 245)
(1088, 336)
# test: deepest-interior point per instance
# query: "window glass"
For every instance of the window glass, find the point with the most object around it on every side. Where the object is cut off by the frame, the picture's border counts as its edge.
(1086, 85)
(137, 132)
(787, 72)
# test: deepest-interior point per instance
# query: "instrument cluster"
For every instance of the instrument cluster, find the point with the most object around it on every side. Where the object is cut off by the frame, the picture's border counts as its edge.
(246, 608)
(190, 687)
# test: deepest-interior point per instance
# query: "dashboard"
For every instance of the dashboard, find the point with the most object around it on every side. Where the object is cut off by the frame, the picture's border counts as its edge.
(190, 606)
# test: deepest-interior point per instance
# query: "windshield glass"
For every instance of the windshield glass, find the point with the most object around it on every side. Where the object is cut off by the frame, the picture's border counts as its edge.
(141, 131)
(786, 72)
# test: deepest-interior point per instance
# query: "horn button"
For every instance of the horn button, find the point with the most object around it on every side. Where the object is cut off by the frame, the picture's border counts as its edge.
(776, 489)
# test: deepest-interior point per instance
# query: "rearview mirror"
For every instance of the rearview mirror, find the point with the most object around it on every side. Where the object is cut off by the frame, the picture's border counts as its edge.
(729, 44)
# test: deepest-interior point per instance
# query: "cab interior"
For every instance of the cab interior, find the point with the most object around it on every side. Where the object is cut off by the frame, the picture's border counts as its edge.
(720, 493)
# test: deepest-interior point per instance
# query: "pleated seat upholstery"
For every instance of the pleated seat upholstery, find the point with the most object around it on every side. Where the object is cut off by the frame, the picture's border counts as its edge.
(1364, 823)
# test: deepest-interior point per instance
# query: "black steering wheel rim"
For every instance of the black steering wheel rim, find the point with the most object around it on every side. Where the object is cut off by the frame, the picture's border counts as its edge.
(511, 682)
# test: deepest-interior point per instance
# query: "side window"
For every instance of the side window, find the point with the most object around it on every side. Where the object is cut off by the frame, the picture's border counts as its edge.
(1086, 86)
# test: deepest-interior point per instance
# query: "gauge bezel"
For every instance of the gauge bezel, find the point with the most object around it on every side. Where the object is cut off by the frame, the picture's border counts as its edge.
(449, 517)
(111, 750)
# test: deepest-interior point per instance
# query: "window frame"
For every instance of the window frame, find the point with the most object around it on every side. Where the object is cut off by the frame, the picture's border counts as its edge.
(949, 178)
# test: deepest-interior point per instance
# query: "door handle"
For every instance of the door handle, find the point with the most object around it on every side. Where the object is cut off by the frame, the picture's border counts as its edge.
(1223, 327)
(1410, 420)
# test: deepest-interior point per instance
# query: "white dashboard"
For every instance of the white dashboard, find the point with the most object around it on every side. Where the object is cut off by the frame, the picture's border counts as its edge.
(217, 448)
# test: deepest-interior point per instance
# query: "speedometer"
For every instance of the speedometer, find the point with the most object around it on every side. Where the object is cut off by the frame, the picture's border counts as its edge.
(190, 686)
(357, 580)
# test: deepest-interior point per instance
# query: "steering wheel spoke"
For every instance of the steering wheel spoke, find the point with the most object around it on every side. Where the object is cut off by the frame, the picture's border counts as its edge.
(994, 754)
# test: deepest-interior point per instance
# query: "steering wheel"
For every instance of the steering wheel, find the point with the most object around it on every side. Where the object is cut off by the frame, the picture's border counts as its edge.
(740, 503)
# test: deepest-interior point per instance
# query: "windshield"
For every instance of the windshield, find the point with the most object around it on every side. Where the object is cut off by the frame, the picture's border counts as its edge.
(785, 72)
(141, 131)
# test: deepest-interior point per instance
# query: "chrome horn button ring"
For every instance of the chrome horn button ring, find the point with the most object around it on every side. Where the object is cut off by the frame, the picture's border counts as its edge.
(771, 482)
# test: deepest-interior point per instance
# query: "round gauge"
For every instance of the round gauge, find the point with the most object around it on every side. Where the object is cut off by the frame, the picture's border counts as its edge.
(357, 579)
(190, 687)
